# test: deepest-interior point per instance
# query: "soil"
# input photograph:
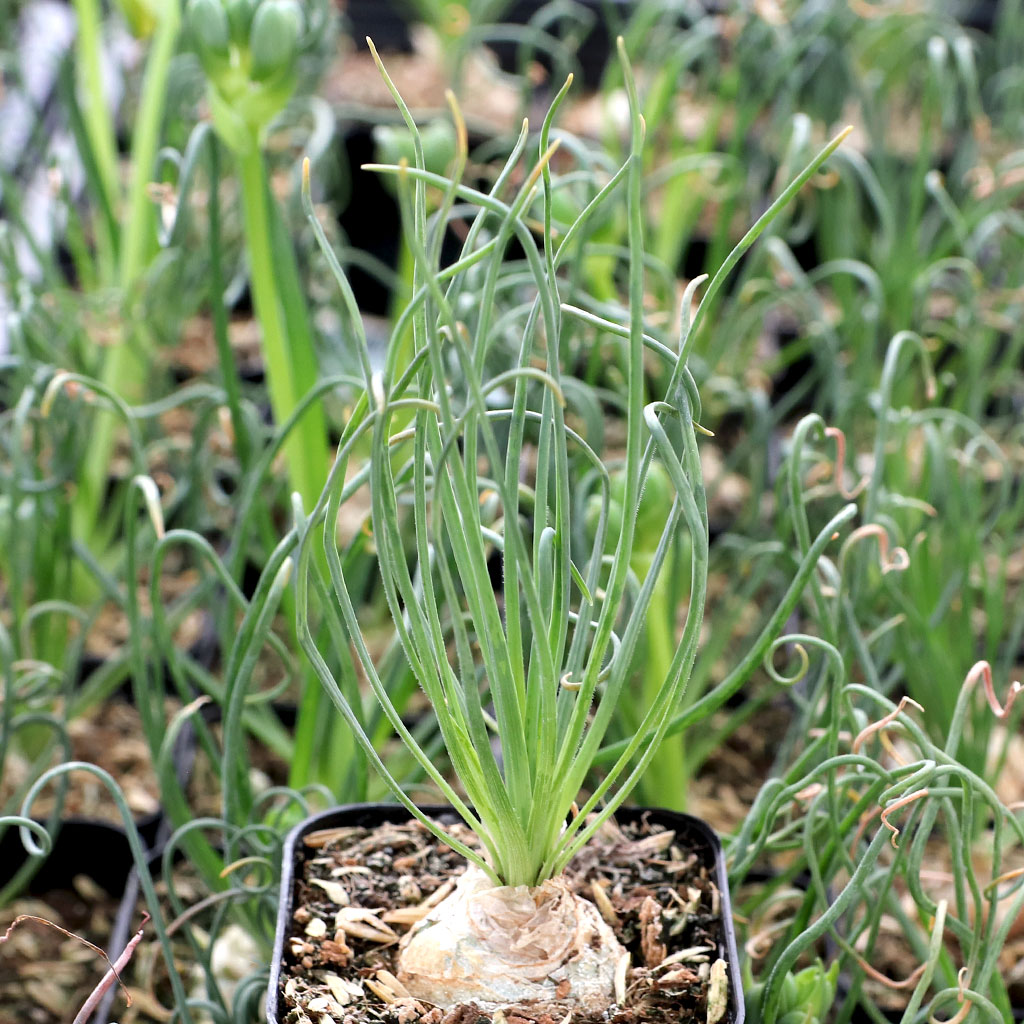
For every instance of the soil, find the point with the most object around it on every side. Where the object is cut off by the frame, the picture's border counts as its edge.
(729, 781)
(659, 898)
(45, 975)
(109, 736)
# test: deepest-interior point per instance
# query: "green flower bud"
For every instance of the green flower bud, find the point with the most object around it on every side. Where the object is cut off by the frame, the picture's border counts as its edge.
(593, 514)
(240, 14)
(248, 50)
(805, 998)
(789, 999)
(797, 1017)
(274, 39)
(655, 502)
(208, 26)
(565, 207)
(816, 988)
(395, 143)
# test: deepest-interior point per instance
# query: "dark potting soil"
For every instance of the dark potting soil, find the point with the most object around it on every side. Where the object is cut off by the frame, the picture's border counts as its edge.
(45, 975)
(659, 898)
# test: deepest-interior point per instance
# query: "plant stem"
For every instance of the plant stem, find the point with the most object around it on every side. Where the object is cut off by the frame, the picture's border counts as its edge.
(92, 96)
(287, 363)
(121, 370)
(228, 371)
(291, 369)
(666, 781)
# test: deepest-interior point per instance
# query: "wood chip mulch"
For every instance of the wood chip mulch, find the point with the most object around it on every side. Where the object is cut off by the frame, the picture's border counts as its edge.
(359, 890)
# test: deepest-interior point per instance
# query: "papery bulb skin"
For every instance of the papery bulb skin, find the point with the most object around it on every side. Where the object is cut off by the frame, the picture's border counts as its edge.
(499, 947)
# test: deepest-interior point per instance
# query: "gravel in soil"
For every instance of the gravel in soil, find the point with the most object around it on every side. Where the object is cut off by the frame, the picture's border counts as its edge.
(359, 889)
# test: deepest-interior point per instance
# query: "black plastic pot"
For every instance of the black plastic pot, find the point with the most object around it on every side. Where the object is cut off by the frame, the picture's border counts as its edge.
(692, 832)
(81, 847)
(98, 850)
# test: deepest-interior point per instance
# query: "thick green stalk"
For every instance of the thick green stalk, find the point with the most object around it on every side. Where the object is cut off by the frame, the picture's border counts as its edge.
(291, 370)
(122, 372)
(305, 448)
(228, 370)
(138, 234)
(91, 96)
(665, 782)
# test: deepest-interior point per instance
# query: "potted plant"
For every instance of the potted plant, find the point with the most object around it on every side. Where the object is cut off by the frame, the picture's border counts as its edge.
(474, 465)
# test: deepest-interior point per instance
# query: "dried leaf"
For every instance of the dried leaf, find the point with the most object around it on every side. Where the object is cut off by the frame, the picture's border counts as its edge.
(324, 1004)
(336, 892)
(439, 894)
(405, 915)
(343, 990)
(651, 846)
(678, 978)
(651, 946)
(603, 903)
(364, 924)
(320, 838)
(718, 992)
(621, 971)
(387, 978)
(690, 955)
(381, 991)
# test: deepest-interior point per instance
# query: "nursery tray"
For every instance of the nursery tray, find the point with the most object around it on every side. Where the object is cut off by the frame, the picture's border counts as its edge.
(693, 832)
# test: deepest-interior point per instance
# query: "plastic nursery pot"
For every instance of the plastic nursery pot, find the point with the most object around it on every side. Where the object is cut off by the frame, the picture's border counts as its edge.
(95, 849)
(80, 847)
(692, 834)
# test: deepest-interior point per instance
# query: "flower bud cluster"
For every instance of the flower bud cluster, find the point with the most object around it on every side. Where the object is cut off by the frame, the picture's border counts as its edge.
(806, 997)
(249, 51)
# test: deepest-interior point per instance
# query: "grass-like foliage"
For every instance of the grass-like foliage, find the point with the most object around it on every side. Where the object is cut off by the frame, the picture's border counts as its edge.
(471, 444)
